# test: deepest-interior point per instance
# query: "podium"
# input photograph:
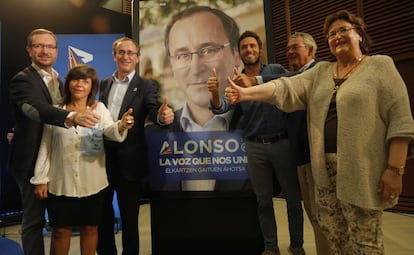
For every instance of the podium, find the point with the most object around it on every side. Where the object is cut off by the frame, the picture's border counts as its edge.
(205, 223)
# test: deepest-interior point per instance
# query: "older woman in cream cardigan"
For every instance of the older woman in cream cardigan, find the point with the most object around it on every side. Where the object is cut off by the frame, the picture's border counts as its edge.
(360, 127)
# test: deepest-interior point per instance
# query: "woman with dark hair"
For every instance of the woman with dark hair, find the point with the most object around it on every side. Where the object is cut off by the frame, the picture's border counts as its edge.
(70, 168)
(360, 128)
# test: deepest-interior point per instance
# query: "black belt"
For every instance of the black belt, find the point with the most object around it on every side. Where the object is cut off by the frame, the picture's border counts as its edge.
(330, 149)
(267, 139)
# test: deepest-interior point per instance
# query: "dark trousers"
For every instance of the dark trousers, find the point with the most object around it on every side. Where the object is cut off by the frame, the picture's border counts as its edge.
(264, 161)
(33, 219)
(128, 195)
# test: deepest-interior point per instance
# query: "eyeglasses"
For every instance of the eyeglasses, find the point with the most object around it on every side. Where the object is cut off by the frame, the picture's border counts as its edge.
(37, 46)
(294, 47)
(129, 53)
(207, 54)
(341, 31)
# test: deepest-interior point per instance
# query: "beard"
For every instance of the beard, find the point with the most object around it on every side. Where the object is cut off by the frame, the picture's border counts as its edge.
(251, 63)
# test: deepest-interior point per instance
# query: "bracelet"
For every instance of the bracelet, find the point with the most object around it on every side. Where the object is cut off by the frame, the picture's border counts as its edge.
(397, 170)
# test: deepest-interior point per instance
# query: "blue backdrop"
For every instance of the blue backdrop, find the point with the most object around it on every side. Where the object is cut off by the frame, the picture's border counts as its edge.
(91, 49)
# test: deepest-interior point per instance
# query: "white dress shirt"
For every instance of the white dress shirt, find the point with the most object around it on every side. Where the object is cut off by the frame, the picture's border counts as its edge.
(117, 93)
(61, 164)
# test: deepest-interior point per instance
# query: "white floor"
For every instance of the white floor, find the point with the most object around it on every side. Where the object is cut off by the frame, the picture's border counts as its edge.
(398, 233)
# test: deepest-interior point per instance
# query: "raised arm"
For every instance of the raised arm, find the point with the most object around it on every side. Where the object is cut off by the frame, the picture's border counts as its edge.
(213, 87)
(32, 103)
(29, 98)
(236, 94)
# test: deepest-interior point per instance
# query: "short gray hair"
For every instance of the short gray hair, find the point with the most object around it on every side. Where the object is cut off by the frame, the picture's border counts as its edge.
(307, 40)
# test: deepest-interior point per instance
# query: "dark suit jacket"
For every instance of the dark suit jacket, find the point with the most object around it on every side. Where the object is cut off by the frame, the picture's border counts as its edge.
(31, 105)
(130, 156)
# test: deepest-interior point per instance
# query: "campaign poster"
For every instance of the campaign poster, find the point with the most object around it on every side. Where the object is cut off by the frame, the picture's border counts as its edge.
(92, 49)
(181, 44)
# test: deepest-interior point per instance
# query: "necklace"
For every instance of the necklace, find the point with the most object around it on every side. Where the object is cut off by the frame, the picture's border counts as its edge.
(338, 81)
(350, 71)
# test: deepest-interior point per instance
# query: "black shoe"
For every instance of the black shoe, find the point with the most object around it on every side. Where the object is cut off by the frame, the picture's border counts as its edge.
(296, 251)
(268, 252)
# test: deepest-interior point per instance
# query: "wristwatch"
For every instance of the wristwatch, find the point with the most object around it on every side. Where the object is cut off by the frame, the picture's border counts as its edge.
(397, 170)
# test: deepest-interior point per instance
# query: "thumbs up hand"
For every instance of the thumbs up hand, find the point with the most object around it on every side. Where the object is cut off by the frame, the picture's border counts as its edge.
(213, 87)
(165, 113)
(127, 121)
(212, 82)
(243, 80)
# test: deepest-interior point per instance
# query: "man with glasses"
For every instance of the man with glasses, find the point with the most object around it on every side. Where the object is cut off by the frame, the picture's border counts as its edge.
(126, 161)
(300, 52)
(33, 92)
(197, 40)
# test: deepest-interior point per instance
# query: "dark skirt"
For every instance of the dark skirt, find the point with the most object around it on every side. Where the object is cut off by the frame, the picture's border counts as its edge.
(66, 211)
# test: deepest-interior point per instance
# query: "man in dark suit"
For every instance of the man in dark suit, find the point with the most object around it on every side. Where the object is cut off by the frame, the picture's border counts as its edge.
(32, 92)
(126, 161)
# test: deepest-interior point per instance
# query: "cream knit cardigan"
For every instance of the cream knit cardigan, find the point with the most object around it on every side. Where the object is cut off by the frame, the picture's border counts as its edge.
(372, 106)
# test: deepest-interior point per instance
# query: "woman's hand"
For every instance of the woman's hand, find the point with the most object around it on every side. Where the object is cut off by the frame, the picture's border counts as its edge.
(390, 186)
(234, 93)
(41, 191)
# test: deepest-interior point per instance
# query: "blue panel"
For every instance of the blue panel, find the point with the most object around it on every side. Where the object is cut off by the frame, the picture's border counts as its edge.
(91, 49)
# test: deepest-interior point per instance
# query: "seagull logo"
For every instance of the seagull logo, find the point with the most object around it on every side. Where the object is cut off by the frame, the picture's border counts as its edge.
(77, 56)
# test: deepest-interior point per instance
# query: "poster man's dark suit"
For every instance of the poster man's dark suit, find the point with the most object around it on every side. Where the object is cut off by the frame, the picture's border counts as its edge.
(126, 165)
(31, 105)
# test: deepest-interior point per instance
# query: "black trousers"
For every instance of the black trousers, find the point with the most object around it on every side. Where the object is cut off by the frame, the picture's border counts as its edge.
(128, 195)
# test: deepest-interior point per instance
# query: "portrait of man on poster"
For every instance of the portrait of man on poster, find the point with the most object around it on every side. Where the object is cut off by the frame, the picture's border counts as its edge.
(200, 42)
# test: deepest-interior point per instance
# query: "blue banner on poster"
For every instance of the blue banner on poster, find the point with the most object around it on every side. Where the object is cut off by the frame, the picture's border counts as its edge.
(218, 155)
(92, 49)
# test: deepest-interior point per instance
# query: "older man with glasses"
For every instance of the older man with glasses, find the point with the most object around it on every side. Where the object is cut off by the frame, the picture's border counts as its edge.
(126, 161)
(300, 52)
